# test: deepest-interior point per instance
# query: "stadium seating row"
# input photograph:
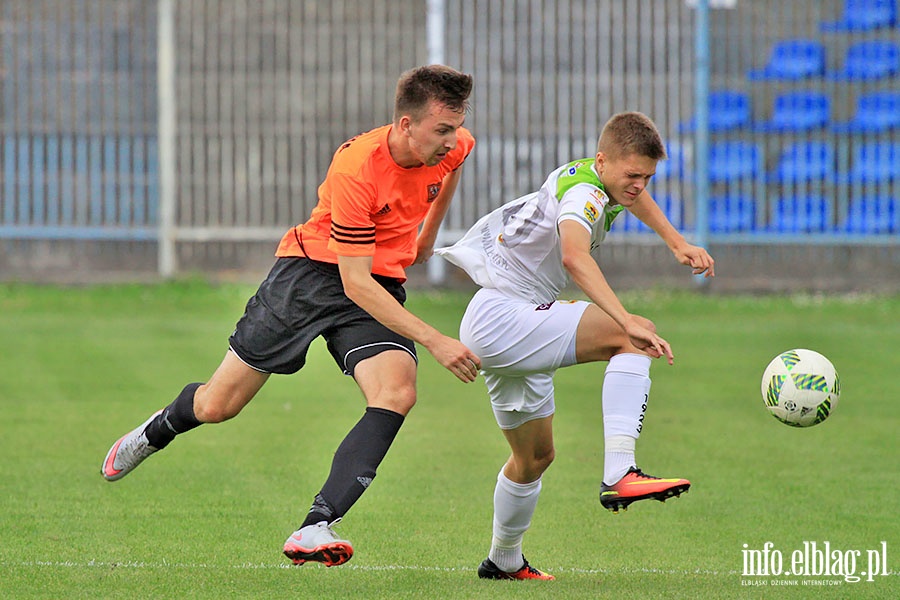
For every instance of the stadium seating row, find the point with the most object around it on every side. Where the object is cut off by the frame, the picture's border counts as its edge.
(865, 215)
(805, 59)
(734, 161)
(795, 59)
(865, 179)
(864, 15)
(729, 110)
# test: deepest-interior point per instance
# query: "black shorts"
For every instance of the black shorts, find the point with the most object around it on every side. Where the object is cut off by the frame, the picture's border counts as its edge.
(300, 300)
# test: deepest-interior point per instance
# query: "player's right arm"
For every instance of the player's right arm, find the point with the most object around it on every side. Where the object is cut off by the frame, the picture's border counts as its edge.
(647, 210)
(368, 294)
(353, 242)
(575, 244)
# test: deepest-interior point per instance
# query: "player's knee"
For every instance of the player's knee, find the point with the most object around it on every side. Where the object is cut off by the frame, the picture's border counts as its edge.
(545, 460)
(622, 344)
(398, 399)
(540, 462)
(405, 399)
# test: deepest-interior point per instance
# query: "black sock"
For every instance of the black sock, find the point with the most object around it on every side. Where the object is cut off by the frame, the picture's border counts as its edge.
(176, 418)
(321, 510)
(354, 464)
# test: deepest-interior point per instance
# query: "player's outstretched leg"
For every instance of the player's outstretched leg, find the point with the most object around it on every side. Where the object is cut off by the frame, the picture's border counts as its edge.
(153, 435)
(635, 485)
(128, 452)
(318, 543)
(488, 570)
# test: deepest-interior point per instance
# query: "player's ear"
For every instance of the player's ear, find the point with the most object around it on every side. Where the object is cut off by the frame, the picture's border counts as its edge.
(404, 124)
(600, 162)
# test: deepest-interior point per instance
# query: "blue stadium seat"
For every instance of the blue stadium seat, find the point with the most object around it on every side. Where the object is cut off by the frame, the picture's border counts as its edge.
(862, 15)
(872, 214)
(804, 214)
(869, 60)
(729, 214)
(792, 60)
(670, 205)
(797, 111)
(728, 110)
(876, 112)
(805, 162)
(875, 162)
(734, 160)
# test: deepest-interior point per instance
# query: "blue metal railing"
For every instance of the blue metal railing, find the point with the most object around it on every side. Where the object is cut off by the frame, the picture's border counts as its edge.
(79, 155)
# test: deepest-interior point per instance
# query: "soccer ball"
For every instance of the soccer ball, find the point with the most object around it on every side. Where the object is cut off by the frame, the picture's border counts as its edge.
(801, 388)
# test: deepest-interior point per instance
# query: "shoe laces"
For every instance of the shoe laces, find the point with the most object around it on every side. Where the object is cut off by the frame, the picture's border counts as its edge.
(636, 471)
(328, 528)
(531, 570)
(321, 528)
(136, 448)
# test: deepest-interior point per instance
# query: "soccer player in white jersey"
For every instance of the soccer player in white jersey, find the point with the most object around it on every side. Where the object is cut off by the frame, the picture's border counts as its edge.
(522, 255)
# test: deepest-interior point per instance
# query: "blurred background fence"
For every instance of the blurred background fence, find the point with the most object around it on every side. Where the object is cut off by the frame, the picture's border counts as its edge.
(140, 138)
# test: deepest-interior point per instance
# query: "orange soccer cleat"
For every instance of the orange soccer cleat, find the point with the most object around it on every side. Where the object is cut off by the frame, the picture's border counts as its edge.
(638, 486)
(488, 570)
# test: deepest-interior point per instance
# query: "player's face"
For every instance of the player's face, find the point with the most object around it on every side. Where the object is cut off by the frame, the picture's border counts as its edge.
(625, 178)
(434, 135)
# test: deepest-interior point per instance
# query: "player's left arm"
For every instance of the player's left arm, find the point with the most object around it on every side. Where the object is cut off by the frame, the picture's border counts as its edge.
(432, 223)
(647, 210)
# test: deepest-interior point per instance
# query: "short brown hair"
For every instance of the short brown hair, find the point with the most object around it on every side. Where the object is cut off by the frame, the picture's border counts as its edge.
(417, 87)
(630, 133)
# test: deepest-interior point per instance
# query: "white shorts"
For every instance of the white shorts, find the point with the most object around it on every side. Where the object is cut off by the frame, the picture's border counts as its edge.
(521, 345)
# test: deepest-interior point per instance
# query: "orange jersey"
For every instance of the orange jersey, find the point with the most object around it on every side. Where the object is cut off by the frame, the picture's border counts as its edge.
(371, 206)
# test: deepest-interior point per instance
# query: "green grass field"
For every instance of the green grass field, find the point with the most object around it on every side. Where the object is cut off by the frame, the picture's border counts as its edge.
(207, 517)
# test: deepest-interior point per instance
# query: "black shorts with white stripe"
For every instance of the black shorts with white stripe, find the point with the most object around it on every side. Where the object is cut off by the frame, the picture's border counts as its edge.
(300, 300)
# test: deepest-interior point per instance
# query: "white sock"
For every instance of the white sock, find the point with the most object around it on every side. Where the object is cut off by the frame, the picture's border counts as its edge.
(626, 389)
(618, 457)
(514, 504)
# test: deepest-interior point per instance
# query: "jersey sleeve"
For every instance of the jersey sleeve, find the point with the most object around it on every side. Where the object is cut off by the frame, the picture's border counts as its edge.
(465, 142)
(352, 228)
(584, 204)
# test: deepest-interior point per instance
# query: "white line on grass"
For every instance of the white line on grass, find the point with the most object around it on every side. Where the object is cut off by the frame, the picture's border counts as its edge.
(93, 564)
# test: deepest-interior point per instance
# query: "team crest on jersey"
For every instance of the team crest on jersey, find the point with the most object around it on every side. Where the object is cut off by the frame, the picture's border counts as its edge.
(433, 190)
(591, 213)
(574, 168)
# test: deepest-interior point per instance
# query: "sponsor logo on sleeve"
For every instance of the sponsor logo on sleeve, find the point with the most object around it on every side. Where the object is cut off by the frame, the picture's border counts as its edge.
(574, 168)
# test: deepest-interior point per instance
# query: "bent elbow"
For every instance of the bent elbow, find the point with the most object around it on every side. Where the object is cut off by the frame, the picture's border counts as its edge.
(352, 290)
(570, 262)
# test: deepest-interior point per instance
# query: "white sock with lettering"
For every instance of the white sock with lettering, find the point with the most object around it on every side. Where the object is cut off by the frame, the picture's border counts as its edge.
(626, 390)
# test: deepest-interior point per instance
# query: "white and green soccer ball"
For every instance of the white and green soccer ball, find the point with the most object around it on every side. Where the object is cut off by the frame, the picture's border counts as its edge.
(801, 388)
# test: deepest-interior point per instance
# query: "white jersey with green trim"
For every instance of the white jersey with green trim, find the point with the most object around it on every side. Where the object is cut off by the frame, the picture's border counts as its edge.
(515, 249)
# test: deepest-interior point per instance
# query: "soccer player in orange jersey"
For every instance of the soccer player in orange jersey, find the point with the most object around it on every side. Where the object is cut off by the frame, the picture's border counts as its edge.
(340, 275)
